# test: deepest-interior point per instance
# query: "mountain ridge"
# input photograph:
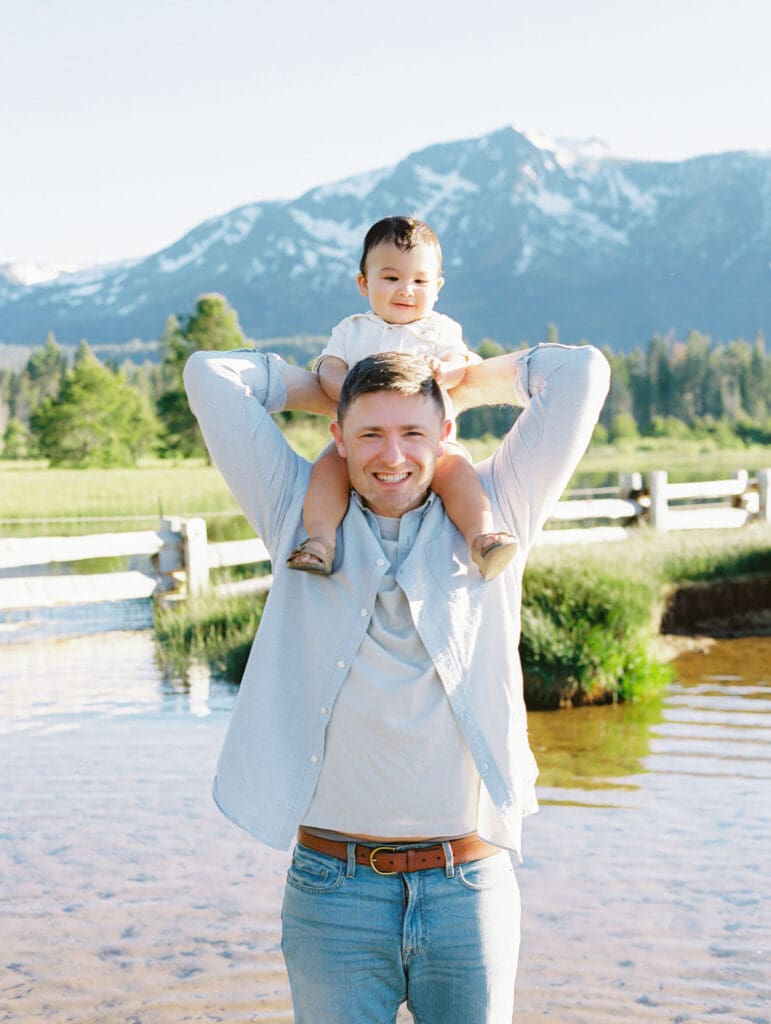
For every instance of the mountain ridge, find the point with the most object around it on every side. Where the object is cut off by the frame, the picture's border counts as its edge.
(610, 249)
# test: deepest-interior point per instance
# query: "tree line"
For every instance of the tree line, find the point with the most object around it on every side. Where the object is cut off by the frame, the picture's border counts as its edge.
(94, 413)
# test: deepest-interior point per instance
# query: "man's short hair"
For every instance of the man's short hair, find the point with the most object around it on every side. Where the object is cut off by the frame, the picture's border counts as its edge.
(389, 371)
(403, 232)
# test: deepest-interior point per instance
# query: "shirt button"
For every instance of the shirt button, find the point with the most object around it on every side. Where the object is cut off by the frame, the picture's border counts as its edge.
(322, 710)
(485, 765)
(380, 561)
(341, 664)
(314, 759)
(363, 613)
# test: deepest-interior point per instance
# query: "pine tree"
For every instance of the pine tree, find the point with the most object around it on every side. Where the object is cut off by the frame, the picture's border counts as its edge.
(213, 325)
(97, 419)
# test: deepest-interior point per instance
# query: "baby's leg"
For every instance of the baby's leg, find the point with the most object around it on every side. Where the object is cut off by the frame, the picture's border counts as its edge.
(468, 506)
(326, 501)
(464, 498)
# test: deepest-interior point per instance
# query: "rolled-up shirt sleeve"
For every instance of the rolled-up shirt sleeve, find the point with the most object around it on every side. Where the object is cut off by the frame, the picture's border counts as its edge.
(232, 395)
(562, 390)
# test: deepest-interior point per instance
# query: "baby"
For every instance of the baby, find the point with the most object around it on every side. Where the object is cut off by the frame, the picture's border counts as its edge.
(400, 274)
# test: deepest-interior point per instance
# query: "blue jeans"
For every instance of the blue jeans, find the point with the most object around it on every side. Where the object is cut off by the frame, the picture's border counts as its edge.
(358, 944)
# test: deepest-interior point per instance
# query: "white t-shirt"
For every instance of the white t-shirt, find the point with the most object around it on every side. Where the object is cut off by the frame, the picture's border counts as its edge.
(395, 761)
(364, 334)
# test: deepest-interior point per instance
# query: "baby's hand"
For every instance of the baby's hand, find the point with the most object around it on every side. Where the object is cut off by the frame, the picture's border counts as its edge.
(445, 373)
(435, 366)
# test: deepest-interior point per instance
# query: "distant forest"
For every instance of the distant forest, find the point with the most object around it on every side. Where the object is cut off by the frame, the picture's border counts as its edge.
(82, 410)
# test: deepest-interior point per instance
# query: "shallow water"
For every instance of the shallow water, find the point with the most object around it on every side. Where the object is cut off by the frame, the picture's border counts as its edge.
(126, 897)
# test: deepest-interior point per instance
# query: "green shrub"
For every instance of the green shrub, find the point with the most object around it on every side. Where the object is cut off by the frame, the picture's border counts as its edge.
(585, 634)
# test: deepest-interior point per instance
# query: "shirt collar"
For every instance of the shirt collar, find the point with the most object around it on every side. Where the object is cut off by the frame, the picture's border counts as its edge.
(415, 513)
(416, 325)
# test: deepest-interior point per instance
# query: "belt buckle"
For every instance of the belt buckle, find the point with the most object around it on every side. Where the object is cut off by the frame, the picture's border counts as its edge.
(377, 870)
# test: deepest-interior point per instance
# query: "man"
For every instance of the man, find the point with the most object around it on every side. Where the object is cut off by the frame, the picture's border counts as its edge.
(381, 710)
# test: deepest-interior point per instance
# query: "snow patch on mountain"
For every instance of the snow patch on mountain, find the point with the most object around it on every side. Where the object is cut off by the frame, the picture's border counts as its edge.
(553, 204)
(525, 258)
(358, 185)
(37, 273)
(238, 224)
(230, 229)
(131, 306)
(570, 153)
(84, 290)
(169, 264)
(344, 236)
(448, 186)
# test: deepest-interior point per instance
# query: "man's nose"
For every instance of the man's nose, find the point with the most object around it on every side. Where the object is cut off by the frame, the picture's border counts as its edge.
(391, 452)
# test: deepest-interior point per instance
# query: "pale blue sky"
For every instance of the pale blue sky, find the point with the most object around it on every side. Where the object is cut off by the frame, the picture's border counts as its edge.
(124, 124)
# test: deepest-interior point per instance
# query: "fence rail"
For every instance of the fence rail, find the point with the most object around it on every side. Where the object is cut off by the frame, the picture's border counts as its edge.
(182, 557)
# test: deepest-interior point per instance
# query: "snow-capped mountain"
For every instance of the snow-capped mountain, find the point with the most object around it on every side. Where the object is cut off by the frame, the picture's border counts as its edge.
(534, 231)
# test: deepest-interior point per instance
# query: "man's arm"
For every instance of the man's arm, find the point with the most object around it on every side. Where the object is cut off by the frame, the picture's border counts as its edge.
(562, 390)
(232, 395)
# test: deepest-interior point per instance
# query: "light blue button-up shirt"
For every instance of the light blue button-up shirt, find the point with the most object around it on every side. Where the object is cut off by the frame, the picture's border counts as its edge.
(312, 626)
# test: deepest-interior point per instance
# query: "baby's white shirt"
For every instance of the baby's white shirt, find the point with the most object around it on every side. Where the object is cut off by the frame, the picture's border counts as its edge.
(364, 334)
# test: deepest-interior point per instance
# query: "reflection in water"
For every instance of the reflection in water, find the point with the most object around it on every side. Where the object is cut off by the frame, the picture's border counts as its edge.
(72, 681)
(126, 897)
(591, 748)
(658, 911)
(28, 625)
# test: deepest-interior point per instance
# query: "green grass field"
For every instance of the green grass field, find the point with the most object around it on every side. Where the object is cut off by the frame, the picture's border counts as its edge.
(30, 491)
(124, 497)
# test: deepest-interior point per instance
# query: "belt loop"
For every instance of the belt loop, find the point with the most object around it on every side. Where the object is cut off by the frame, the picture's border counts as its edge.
(350, 868)
(449, 866)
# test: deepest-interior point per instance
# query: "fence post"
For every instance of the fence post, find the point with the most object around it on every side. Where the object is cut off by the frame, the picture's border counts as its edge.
(657, 513)
(743, 478)
(196, 556)
(169, 560)
(629, 485)
(764, 486)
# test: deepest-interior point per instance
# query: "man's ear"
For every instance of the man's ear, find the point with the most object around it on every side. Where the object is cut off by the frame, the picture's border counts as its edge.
(444, 433)
(337, 434)
(361, 281)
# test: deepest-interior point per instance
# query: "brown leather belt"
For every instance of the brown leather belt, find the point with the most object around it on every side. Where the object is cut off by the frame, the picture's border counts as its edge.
(392, 860)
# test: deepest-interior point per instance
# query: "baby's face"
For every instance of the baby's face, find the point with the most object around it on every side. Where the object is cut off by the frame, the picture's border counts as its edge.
(401, 286)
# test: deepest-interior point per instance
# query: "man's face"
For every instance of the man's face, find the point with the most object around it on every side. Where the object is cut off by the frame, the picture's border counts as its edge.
(402, 287)
(391, 443)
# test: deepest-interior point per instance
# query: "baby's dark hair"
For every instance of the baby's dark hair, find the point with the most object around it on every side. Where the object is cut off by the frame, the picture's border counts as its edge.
(403, 232)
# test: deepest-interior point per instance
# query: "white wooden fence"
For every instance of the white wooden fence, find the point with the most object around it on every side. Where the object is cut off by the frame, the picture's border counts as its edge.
(182, 557)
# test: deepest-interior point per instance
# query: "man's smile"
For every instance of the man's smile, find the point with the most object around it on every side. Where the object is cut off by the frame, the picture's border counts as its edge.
(391, 478)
